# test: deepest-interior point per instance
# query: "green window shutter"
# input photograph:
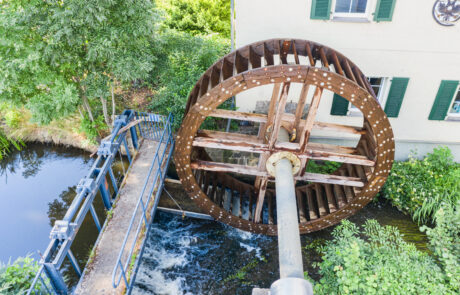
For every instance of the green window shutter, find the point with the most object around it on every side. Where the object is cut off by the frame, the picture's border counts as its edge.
(384, 10)
(443, 100)
(395, 96)
(320, 9)
(339, 106)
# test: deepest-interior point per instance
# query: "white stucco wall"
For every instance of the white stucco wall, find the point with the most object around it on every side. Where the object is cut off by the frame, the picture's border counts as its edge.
(411, 45)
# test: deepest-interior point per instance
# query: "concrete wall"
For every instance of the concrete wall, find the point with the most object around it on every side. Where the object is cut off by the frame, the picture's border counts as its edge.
(411, 45)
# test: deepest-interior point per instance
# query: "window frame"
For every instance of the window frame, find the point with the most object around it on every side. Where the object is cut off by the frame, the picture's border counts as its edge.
(449, 113)
(381, 97)
(346, 15)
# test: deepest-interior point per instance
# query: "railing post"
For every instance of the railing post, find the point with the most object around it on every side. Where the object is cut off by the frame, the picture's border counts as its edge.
(105, 195)
(96, 219)
(56, 279)
(127, 150)
(134, 137)
(74, 262)
(113, 179)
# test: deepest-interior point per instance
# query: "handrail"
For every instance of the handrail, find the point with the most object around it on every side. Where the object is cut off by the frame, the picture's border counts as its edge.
(49, 277)
(158, 161)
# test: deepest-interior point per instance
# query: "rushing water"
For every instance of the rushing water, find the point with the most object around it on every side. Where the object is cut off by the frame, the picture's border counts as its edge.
(37, 185)
(186, 256)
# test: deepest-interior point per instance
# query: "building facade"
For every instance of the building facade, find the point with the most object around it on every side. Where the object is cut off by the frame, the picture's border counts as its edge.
(411, 60)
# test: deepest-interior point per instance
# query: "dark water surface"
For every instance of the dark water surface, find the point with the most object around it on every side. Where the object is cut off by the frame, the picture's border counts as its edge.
(37, 186)
(186, 256)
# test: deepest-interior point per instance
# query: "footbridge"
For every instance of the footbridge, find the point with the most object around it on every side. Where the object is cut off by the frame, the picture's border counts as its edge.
(146, 141)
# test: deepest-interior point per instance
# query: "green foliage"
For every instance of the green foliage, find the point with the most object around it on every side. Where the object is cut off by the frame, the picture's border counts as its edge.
(322, 167)
(420, 187)
(25, 77)
(376, 261)
(15, 278)
(445, 242)
(52, 53)
(93, 129)
(198, 17)
(182, 59)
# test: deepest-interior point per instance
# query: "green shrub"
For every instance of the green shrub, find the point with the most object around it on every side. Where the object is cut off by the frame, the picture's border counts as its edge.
(16, 278)
(445, 242)
(92, 130)
(322, 167)
(182, 60)
(6, 143)
(376, 261)
(420, 187)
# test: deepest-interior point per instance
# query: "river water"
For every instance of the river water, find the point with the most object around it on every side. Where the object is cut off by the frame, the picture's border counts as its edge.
(189, 256)
(37, 185)
(182, 256)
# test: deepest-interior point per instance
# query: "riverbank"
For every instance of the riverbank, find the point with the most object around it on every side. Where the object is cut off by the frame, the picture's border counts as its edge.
(63, 132)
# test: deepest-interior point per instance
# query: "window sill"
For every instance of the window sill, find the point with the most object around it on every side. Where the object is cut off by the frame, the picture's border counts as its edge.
(350, 19)
(453, 118)
(354, 113)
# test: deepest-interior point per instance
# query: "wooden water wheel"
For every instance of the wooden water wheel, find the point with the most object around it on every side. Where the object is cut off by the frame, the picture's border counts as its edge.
(323, 199)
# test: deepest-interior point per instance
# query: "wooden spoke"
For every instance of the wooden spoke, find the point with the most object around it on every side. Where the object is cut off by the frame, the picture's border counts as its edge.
(224, 190)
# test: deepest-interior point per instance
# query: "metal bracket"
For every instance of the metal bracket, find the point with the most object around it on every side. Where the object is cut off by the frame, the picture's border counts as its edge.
(62, 230)
(121, 119)
(86, 184)
(107, 148)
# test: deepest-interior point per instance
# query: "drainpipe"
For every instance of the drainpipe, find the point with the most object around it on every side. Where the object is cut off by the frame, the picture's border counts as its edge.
(232, 40)
(291, 279)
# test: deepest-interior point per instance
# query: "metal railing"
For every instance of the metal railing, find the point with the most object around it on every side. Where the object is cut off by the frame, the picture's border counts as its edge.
(144, 211)
(49, 278)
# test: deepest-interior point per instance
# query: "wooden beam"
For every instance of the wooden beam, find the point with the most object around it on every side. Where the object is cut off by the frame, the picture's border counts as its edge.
(250, 143)
(288, 118)
(300, 106)
(310, 120)
(275, 127)
(249, 170)
(323, 58)
(310, 55)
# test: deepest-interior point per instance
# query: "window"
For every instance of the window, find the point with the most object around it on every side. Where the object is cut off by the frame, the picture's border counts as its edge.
(350, 8)
(379, 85)
(455, 108)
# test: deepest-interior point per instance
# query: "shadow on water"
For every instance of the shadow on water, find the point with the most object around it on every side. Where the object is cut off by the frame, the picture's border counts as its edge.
(37, 186)
(186, 256)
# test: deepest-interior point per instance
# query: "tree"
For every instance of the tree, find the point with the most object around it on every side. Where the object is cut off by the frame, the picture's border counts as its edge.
(78, 47)
(198, 16)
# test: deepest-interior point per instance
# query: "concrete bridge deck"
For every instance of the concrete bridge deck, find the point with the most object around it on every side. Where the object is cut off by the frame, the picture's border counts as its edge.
(97, 277)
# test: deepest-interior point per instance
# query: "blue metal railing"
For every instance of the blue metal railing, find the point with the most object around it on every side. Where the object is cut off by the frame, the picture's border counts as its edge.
(141, 216)
(49, 278)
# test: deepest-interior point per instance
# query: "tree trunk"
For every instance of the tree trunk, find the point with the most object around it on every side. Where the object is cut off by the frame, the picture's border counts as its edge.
(87, 107)
(104, 111)
(113, 106)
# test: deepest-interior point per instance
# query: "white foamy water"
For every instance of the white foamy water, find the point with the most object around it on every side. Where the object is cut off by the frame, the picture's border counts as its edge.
(185, 257)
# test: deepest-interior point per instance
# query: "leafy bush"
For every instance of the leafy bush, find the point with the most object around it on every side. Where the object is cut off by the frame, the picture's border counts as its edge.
(16, 278)
(445, 242)
(322, 167)
(380, 262)
(420, 187)
(198, 16)
(182, 60)
(93, 129)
